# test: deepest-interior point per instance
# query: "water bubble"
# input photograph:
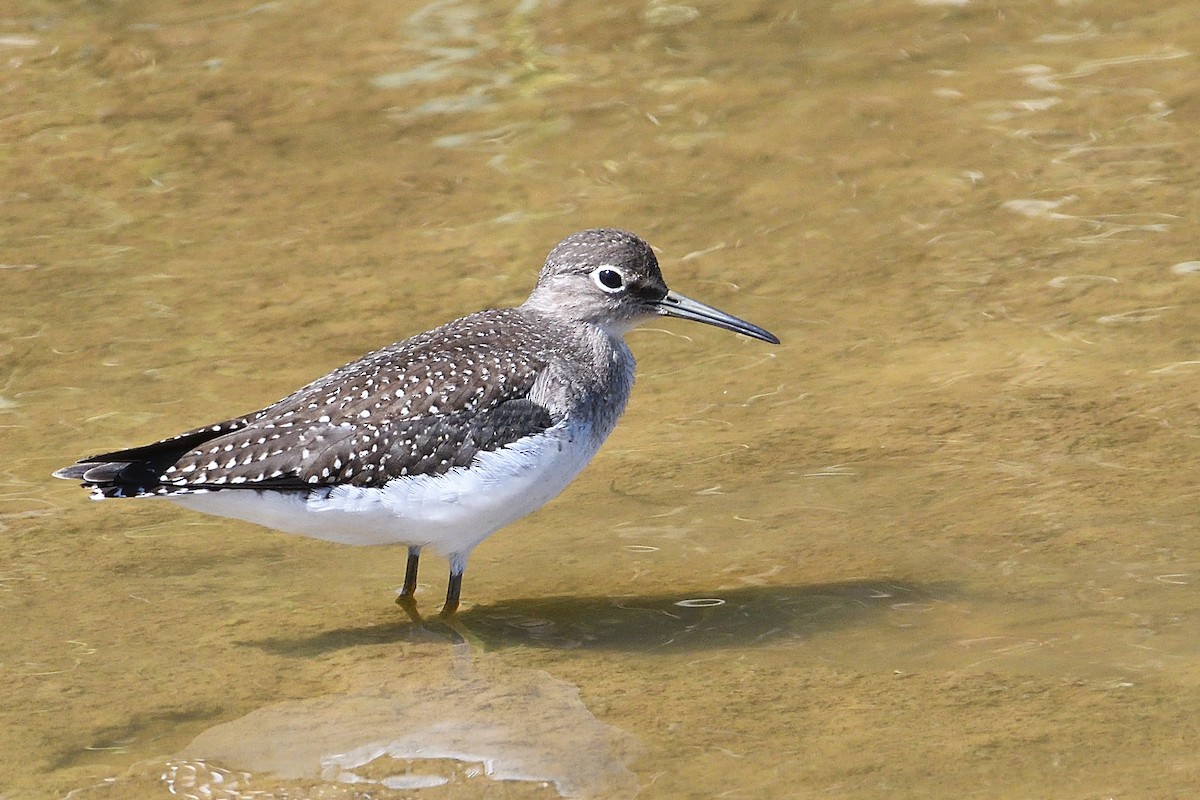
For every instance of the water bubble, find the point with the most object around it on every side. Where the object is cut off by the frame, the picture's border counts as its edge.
(701, 602)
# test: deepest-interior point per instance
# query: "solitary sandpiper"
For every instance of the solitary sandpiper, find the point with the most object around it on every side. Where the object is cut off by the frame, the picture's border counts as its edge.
(439, 440)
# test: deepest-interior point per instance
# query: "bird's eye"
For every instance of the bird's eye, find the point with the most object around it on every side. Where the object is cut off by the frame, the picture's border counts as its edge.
(608, 279)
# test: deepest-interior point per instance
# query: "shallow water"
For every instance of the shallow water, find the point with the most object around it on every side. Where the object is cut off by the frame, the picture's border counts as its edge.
(951, 519)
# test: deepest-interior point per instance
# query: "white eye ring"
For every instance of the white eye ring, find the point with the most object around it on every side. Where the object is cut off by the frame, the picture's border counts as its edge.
(608, 278)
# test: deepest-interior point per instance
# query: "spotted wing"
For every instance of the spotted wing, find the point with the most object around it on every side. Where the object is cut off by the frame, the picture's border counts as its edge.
(369, 454)
(418, 407)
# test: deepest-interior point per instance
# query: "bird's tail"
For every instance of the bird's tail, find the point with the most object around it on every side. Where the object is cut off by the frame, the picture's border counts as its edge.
(138, 471)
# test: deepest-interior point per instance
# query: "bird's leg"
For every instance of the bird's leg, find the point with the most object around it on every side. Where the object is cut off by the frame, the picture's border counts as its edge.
(410, 572)
(458, 563)
(410, 608)
(405, 598)
(453, 590)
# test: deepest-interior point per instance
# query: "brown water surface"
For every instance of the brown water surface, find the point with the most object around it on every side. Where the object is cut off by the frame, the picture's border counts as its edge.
(952, 519)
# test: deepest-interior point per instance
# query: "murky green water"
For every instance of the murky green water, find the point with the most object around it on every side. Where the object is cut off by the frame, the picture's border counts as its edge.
(952, 517)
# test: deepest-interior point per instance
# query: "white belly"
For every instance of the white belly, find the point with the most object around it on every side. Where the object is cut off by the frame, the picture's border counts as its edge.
(448, 513)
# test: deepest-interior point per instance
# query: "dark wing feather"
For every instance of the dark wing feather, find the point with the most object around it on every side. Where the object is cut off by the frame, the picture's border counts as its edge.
(370, 455)
(419, 407)
(137, 470)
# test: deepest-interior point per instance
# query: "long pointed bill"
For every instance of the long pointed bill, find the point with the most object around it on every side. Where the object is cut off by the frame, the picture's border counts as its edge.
(676, 305)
